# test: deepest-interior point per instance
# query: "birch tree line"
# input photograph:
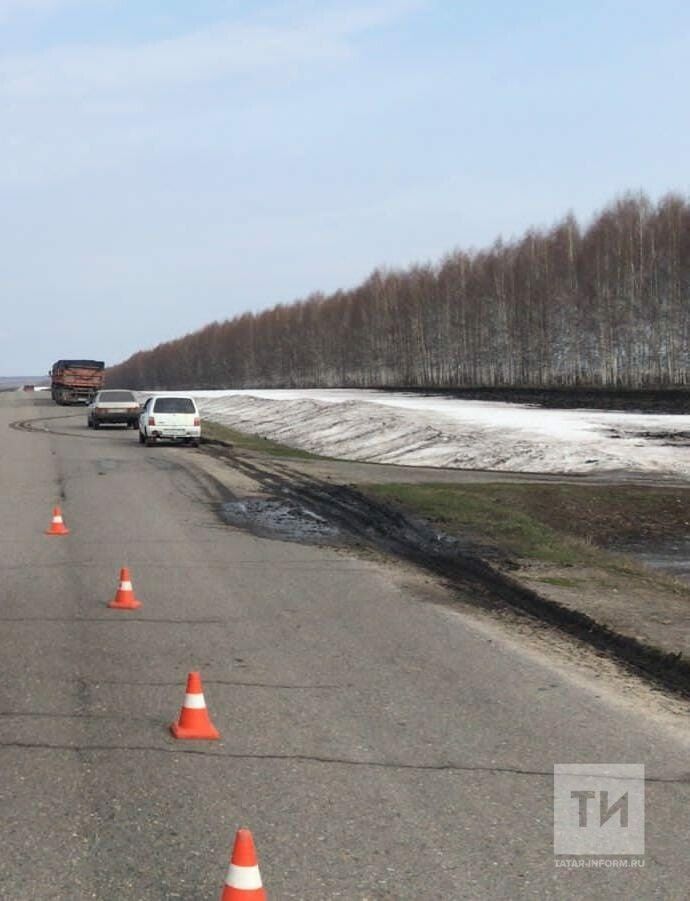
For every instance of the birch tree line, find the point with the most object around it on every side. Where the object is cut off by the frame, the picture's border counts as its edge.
(605, 306)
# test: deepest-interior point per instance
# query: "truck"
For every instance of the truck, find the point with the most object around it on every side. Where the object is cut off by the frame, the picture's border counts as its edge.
(76, 381)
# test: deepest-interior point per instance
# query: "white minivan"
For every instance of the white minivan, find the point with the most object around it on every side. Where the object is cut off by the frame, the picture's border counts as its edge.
(170, 419)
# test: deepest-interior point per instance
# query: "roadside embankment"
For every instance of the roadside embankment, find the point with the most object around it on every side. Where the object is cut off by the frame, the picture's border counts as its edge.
(545, 547)
(564, 543)
(446, 432)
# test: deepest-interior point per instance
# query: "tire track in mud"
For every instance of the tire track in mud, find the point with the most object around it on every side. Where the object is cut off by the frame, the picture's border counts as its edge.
(386, 529)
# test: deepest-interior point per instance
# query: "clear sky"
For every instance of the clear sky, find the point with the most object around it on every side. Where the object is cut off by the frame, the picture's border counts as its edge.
(165, 163)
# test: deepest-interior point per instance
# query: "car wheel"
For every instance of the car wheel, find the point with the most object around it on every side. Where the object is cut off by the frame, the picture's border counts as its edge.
(141, 437)
(89, 424)
(96, 424)
(194, 442)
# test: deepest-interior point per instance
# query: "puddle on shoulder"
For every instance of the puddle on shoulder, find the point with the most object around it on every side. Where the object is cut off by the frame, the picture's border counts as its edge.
(274, 518)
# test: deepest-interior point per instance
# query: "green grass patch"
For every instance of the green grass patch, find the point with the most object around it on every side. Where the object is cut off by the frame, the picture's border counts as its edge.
(213, 431)
(487, 514)
(560, 581)
(562, 525)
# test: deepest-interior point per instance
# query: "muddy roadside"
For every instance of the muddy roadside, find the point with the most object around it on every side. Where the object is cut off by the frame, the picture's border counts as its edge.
(577, 546)
(549, 547)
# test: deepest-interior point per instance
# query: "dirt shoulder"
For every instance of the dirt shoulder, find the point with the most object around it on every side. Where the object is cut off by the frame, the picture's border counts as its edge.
(547, 545)
(563, 542)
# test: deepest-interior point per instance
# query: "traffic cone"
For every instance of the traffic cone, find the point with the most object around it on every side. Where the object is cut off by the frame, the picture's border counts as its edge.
(244, 879)
(124, 596)
(194, 721)
(57, 526)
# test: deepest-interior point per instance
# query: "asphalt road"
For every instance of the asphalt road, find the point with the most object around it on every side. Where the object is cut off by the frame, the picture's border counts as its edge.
(378, 744)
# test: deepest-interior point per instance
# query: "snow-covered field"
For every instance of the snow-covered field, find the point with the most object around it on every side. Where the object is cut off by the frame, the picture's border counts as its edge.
(440, 431)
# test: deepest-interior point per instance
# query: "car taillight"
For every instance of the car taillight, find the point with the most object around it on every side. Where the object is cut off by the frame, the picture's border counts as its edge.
(152, 420)
(197, 421)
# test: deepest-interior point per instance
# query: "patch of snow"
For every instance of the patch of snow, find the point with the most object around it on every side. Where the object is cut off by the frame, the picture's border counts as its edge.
(418, 430)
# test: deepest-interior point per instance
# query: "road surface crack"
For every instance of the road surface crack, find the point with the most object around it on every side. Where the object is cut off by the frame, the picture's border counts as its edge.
(449, 767)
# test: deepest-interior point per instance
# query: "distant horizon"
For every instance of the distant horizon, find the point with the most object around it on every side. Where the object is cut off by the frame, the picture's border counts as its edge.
(35, 379)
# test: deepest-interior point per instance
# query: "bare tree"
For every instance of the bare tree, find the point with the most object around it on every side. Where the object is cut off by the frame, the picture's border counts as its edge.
(605, 306)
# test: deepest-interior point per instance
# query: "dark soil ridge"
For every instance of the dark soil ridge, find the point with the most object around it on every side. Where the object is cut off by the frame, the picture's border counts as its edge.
(630, 400)
(391, 531)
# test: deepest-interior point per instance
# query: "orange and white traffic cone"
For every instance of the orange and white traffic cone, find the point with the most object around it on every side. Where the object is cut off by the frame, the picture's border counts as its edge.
(194, 721)
(57, 526)
(244, 879)
(124, 596)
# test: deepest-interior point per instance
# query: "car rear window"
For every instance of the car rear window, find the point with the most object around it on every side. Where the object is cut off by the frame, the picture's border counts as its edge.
(174, 405)
(117, 397)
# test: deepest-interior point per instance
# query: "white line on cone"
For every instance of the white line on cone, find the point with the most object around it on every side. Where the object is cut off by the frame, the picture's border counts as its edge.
(246, 878)
(194, 702)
